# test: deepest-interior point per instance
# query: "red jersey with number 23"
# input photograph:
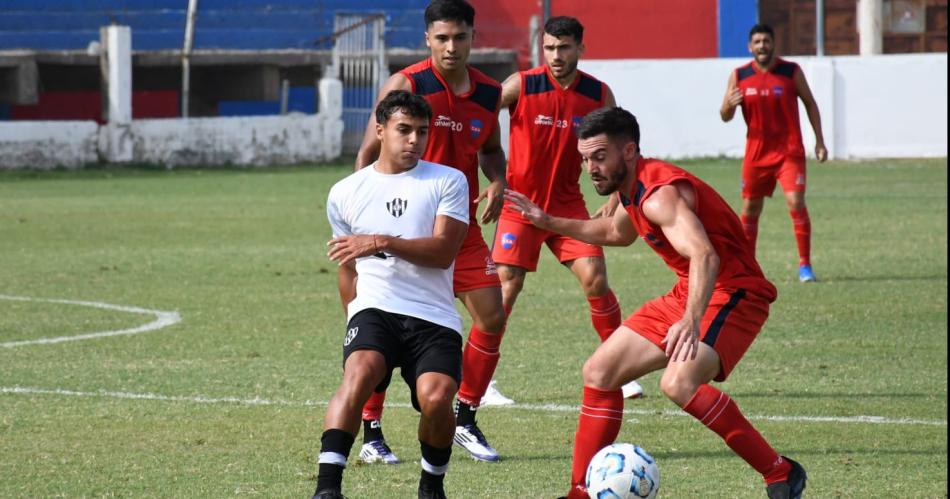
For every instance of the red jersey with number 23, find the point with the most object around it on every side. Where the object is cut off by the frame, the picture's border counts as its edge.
(737, 266)
(461, 124)
(770, 110)
(543, 162)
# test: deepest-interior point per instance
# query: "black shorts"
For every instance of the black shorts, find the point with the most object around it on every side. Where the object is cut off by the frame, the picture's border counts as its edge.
(414, 345)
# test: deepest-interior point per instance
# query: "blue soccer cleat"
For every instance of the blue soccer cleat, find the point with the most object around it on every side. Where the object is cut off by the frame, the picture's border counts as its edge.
(806, 274)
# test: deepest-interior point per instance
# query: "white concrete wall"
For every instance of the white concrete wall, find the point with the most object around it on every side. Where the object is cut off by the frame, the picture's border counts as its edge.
(48, 144)
(290, 139)
(872, 107)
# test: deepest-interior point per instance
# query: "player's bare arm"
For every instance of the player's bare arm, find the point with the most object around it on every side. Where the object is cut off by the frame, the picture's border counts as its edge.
(671, 207)
(614, 231)
(510, 91)
(732, 100)
(610, 206)
(369, 149)
(438, 251)
(491, 157)
(814, 116)
(346, 283)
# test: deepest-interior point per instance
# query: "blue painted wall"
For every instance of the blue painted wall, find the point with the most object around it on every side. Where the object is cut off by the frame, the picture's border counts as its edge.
(736, 18)
(222, 24)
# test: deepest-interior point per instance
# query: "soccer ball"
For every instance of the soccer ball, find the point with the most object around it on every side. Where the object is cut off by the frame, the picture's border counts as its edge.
(622, 471)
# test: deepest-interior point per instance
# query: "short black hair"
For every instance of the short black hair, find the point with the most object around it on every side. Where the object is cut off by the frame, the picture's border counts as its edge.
(458, 11)
(565, 26)
(761, 28)
(407, 102)
(616, 122)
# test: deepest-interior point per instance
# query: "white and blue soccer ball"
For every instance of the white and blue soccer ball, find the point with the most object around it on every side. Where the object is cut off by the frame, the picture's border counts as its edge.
(622, 471)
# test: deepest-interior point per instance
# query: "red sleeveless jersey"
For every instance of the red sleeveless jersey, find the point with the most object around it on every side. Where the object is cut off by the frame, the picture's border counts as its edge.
(543, 161)
(737, 265)
(770, 109)
(460, 123)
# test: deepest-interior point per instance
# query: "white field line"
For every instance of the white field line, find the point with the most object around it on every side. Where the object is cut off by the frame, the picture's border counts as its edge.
(200, 399)
(162, 319)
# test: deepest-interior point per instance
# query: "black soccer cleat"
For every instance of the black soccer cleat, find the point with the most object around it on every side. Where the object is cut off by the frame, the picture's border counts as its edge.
(431, 490)
(328, 494)
(791, 488)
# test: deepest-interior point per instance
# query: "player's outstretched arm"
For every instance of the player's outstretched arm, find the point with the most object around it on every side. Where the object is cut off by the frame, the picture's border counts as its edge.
(491, 157)
(438, 251)
(613, 231)
(814, 116)
(369, 149)
(732, 100)
(671, 207)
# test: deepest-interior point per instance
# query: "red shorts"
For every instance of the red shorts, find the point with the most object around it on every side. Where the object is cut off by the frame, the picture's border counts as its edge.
(731, 323)
(474, 268)
(759, 181)
(518, 242)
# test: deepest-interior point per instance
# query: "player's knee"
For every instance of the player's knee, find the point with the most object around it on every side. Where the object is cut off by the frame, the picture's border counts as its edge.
(678, 388)
(492, 322)
(595, 285)
(598, 375)
(436, 398)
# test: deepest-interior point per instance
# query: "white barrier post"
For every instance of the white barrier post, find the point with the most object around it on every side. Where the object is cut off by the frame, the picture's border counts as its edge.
(119, 72)
(331, 110)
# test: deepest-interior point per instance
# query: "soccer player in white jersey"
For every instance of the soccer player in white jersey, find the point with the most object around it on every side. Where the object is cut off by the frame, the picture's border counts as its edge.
(397, 226)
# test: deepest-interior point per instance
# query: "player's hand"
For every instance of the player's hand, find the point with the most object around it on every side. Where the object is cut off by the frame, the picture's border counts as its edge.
(495, 195)
(734, 97)
(530, 211)
(682, 340)
(348, 248)
(821, 152)
(608, 209)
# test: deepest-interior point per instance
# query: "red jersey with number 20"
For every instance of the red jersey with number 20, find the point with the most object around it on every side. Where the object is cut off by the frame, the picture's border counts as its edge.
(543, 162)
(737, 267)
(461, 124)
(770, 110)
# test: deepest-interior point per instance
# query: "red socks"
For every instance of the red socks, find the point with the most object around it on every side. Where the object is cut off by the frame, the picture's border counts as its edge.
(604, 314)
(479, 360)
(801, 223)
(597, 427)
(720, 414)
(373, 408)
(750, 225)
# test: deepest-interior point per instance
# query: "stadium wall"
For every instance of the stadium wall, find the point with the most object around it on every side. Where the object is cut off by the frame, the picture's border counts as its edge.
(872, 107)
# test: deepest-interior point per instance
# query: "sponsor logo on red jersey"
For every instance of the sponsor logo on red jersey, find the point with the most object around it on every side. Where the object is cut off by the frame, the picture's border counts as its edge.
(477, 128)
(443, 121)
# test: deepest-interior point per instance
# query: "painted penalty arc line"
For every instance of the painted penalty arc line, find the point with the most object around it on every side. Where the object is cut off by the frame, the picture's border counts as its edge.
(162, 319)
(199, 399)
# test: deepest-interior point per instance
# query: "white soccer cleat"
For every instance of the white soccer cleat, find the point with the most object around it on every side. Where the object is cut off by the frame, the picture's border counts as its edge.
(471, 438)
(377, 452)
(632, 390)
(494, 397)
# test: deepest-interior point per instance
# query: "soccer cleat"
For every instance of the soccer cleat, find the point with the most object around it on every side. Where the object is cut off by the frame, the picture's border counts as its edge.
(791, 488)
(471, 438)
(431, 491)
(328, 494)
(494, 397)
(806, 274)
(377, 451)
(632, 390)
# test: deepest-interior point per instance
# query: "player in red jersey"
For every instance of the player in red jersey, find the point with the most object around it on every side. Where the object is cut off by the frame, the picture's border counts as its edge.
(768, 89)
(463, 134)
(547, 105)
(697, 332)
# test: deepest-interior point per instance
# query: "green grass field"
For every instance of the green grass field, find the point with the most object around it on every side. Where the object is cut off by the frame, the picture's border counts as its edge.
(849, 375)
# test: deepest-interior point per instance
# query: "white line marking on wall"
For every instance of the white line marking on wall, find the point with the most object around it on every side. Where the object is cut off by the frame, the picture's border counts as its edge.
(201, 399)
(162, 319)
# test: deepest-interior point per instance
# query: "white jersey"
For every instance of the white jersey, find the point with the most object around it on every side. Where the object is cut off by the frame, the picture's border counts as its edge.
(401, 205)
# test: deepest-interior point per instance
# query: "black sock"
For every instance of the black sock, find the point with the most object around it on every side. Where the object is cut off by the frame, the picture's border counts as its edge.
(334, 444)
(372, 430)
(464, 414)
(431, 482)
